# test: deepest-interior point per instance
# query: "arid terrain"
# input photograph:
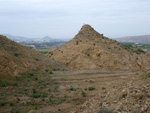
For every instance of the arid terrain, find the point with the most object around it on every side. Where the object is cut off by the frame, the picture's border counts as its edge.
(87, 91)
(89, 74)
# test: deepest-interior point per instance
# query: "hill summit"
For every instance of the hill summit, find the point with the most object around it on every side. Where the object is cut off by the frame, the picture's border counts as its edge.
(90, 49)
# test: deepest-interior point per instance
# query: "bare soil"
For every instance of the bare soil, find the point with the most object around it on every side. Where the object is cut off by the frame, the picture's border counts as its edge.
(62, 91)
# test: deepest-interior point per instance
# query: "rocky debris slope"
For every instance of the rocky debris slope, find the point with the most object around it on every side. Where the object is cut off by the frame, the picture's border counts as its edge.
(90, 50)
(132, 97)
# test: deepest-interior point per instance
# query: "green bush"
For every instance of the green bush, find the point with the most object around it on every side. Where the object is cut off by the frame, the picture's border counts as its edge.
(49, 90)
(83, 94)
(35, 78)
(71, 88)
(30, 74)
(33, 91)
(50, 72)
(36, 96)
(16, 54)
(3, 104)
(36, 59)
(3, 83)
(91, 88)
(18, 78)
(15, 84)
(51, 101)
(65, 96)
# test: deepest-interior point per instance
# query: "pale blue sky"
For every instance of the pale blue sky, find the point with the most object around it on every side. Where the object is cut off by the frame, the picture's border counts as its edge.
(64, 18)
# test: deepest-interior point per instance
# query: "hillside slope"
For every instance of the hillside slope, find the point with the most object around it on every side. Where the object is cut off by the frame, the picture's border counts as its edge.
(90, 50)
(144, 39)
(16, 59)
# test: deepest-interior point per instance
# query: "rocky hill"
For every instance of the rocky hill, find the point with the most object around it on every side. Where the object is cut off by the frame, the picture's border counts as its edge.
(144, 39)
(90, 49)
(16, 59)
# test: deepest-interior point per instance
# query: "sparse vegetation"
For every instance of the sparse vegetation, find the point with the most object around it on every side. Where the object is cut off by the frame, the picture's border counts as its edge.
(3, 83)
(50, 72)
(3, 104)
(90, 88)
(16, 54)
(121, 107)
(44, 94)
(139, 51)
(83, 94)
(36, 59)
(44, 52)
(105, 110)
(15, 84)
(127, 46)
(71, 88)
(39, 87)
(30, 74)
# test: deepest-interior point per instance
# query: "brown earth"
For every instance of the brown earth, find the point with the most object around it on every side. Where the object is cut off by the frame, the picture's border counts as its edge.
(83, 91)
(132, 96)
(16, 59)
(91, 50)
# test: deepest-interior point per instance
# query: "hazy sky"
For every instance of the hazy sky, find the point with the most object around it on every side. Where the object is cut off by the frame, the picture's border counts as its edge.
(64, 18)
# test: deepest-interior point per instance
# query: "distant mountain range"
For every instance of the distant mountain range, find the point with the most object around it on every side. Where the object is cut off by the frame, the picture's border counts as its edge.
(37, 43)
(17, 38)
(21, 39)
(143, 39)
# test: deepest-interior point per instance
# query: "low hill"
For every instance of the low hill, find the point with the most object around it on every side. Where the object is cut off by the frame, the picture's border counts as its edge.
(16, 59)
(90, 50)
(143, 39)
